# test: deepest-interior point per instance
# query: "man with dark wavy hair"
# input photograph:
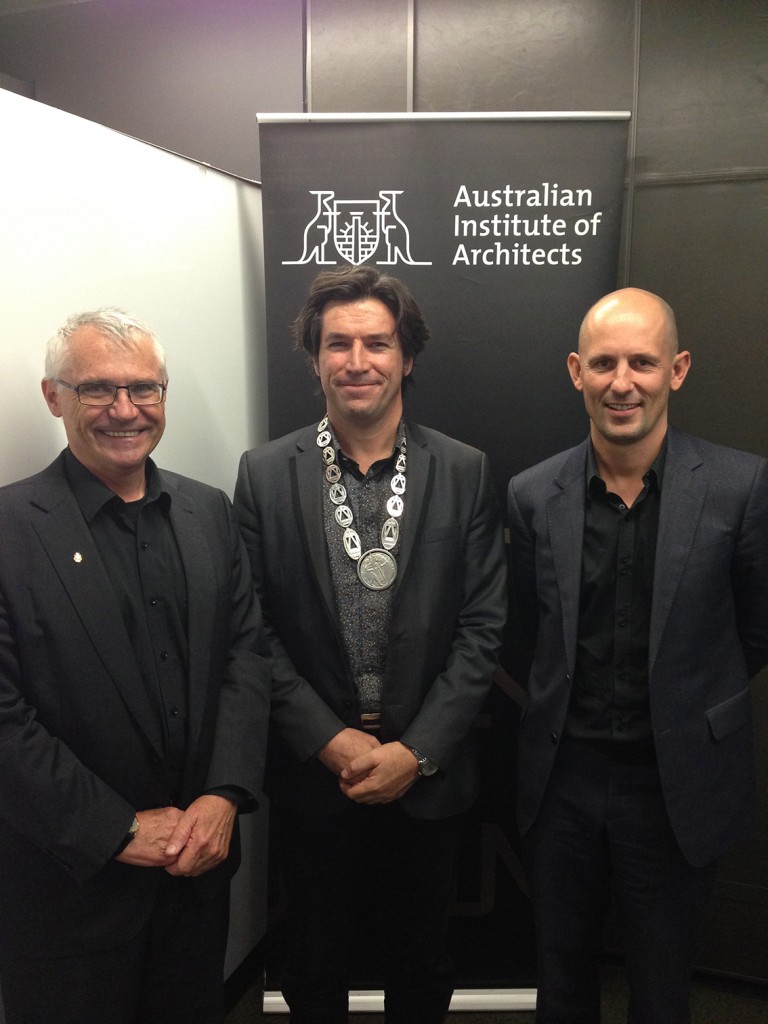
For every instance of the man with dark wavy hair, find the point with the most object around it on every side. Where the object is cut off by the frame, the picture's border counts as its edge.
(377, 551)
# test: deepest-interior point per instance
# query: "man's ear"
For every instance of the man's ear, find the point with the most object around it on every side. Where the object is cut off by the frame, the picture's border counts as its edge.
(51, 395)
(681, 364)
(574, 369)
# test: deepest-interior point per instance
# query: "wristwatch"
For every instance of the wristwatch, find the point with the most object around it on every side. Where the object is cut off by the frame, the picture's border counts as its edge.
(426, 767)
(129, 836)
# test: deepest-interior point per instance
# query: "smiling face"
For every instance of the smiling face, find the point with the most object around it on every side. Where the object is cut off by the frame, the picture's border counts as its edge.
(361, 366)
(112, 441)
(626, 366)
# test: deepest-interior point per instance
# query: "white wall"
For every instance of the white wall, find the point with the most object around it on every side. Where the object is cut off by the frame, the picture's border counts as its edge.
(88, 218)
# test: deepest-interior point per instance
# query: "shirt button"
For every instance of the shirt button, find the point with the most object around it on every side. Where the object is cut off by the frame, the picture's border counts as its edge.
(553, 737)
(153, 602)
(174, 712)
(144, 545)
(163, 655)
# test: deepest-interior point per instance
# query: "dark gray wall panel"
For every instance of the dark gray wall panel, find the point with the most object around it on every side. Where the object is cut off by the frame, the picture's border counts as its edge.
(703, 100)
(705, 249)
(189, 77)
(553, 55)
(359, 55)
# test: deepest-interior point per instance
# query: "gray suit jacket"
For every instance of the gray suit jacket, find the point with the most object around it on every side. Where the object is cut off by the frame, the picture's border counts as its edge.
(80, 743)
(708, 633)
(449, 611)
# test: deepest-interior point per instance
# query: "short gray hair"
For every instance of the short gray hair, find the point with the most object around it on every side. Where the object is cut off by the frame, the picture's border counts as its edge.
(116, 325)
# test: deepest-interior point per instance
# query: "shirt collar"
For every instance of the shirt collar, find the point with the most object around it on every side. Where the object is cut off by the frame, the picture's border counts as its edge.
(350, 465)
(92, 495)
(654, 475)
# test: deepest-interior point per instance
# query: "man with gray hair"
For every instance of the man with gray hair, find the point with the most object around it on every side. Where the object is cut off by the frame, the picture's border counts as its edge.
(133, 703)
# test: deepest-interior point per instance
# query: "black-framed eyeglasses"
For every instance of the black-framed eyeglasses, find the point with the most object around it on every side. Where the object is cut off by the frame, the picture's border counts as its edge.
(97, 392)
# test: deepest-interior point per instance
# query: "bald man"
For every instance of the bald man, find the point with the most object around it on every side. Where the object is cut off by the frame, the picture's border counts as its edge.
(639, 566)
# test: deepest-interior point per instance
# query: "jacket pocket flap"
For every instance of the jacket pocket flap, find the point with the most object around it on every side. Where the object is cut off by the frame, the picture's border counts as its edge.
(731, 715)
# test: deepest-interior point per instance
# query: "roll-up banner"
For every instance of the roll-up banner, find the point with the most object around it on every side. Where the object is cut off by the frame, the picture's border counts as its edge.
(506, 228)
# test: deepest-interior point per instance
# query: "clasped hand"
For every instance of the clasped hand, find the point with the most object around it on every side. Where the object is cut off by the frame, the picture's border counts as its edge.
(369, 772)
(188, 842)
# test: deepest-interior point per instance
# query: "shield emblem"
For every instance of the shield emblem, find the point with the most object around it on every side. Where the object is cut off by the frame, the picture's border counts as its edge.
(356, 228)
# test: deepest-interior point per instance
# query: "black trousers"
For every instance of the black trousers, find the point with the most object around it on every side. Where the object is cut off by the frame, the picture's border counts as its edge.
(371, 885)
(171, 973)
(602, 834)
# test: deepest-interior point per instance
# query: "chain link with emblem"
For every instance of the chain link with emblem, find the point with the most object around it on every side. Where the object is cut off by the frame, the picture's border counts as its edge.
(376, 567)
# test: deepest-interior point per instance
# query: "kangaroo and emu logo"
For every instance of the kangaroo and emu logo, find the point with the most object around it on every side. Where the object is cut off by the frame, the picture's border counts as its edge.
(356, 228)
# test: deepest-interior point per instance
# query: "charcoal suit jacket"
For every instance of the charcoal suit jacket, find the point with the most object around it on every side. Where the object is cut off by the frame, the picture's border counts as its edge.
(81, 746)
(708, 629)
(448, 614)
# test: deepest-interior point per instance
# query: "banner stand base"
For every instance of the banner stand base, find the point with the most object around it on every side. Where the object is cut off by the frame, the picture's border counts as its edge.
(468, 999)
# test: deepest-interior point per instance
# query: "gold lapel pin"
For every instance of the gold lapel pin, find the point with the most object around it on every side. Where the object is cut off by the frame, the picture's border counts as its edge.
(77, 557)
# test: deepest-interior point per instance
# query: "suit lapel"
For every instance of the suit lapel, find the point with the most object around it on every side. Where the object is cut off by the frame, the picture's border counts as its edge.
(198, 568)
(308, 486)
(418, 490)
(64, 535)
(682, 500)
(565, 519)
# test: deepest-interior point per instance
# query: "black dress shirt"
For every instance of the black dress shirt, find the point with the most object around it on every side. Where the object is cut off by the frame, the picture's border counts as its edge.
(610, 704)
(136, 543)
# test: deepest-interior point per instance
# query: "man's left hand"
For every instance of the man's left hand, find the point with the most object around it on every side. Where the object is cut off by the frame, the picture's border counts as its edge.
(202, 836)
(381, 775)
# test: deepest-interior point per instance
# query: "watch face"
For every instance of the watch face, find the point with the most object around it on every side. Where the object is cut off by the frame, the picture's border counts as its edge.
(425, 767)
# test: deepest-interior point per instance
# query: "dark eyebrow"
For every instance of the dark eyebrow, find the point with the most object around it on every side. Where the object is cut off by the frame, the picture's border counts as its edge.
(343, 336)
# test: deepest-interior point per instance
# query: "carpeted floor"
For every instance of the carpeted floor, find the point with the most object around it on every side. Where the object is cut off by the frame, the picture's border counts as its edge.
(715, 1001)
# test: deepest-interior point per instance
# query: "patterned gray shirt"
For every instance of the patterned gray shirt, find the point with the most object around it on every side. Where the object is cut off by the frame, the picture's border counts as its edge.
(365, 615)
